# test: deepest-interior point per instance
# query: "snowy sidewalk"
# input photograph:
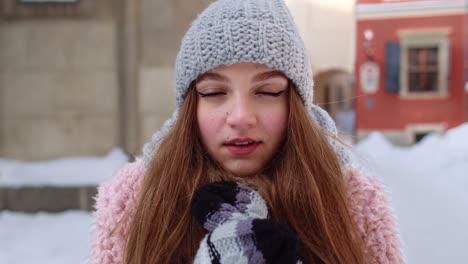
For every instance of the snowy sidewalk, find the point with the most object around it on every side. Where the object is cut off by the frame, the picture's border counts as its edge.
(45, 238)
(50, 238)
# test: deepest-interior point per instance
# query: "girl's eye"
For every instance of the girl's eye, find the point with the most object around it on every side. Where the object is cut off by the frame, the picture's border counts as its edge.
(272, 93)
(210, 94)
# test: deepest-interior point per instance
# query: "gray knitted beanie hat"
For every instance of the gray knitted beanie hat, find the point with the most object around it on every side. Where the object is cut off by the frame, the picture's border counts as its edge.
(256, 31)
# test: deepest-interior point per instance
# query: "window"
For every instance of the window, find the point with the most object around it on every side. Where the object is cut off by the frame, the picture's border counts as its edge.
(424, 63)
(419, 136)
(423, 69)
(417, 132)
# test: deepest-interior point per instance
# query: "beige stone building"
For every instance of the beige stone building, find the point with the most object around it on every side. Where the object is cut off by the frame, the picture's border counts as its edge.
(82, 77)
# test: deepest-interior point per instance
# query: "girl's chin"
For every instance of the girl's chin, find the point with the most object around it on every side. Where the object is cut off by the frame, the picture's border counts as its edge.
(243, 171)
(241, 166)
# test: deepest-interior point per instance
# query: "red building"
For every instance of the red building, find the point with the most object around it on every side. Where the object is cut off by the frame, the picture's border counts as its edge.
(411, 67)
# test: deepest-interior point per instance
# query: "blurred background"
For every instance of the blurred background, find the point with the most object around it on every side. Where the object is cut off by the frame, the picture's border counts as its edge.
(85, 83)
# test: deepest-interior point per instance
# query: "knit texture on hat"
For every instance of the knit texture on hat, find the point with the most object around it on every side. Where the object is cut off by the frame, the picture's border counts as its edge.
(239, 231)
(231, 31)
(256, 31)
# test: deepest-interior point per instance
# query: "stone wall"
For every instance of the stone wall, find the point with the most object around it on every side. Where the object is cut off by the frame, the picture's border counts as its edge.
(58, 86)
(60, 79)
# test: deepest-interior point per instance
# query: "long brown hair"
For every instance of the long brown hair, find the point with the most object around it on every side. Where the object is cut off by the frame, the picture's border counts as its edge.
(303, 185)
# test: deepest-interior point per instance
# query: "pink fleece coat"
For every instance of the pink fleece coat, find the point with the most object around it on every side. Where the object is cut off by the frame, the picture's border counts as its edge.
(368, 205)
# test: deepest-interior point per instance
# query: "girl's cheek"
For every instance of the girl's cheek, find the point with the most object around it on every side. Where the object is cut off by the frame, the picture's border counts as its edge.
(276, 116)
(210, 120)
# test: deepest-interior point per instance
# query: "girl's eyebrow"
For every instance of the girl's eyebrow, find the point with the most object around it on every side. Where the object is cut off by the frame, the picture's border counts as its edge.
(267, 75)
(212, 76)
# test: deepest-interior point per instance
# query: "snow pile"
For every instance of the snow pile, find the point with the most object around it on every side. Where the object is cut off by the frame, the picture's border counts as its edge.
(76, 171)
(428, 185)
(438, 160)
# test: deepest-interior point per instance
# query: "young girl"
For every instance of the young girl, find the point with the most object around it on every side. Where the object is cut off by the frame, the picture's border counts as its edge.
(247, 170)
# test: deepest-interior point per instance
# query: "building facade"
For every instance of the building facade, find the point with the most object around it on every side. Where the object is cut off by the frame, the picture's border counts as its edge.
(80, 77)
(411, 67)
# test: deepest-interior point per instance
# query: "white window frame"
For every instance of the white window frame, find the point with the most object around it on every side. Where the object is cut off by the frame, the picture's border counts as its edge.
(423, 39)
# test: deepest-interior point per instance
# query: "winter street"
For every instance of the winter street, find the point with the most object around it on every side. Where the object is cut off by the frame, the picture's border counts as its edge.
(258, 131)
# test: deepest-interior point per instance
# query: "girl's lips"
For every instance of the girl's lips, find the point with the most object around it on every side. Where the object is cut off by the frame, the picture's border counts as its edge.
(242, 150)
(242, 146)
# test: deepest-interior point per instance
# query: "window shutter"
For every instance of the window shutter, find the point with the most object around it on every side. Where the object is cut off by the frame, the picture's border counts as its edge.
(392, 67)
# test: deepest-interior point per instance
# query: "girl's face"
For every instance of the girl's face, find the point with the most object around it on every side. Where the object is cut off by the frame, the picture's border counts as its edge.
(242, 115)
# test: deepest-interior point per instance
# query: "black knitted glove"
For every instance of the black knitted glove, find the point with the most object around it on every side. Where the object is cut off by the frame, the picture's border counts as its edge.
(236, 217)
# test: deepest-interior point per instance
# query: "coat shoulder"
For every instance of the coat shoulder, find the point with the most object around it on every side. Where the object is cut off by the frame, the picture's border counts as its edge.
(372, 212)
(115, 207)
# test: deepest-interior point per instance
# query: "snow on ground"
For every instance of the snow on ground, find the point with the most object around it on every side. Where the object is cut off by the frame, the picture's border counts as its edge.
(428, 185)
(61, 172)
(45, 238)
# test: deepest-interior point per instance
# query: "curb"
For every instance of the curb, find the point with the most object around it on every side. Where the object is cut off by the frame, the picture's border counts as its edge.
(47, 198)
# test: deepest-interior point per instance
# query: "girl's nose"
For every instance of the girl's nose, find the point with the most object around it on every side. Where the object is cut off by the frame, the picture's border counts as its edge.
(241, 115)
